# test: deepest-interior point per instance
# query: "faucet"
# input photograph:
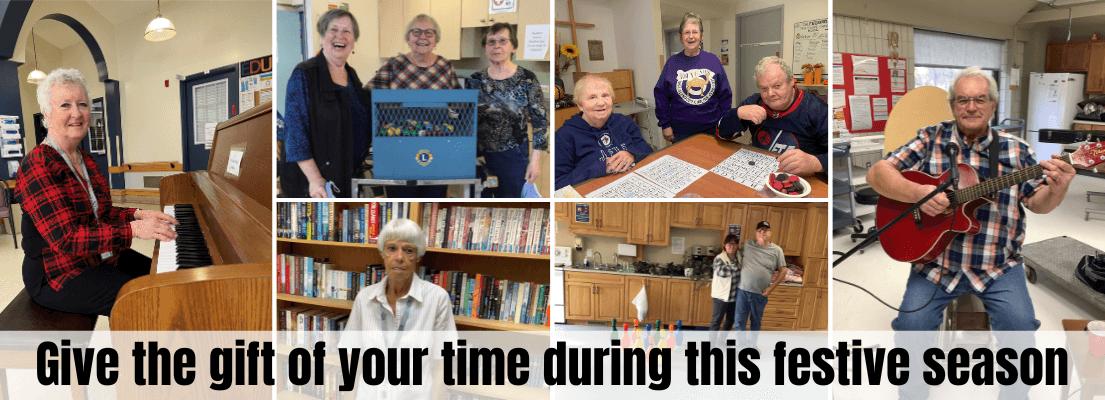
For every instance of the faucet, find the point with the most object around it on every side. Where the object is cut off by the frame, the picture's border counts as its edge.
(599, 255)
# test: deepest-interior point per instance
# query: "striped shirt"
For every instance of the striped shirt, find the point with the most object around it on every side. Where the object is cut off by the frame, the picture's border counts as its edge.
(401, 73)
(981, 258)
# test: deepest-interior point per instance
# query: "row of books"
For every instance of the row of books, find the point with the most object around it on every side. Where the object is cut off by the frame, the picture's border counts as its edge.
(474, 295)
(505, 230)
(323, 221)
(301, 325)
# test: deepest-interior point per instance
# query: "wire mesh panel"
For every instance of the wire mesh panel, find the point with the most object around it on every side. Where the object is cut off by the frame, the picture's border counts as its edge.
(424, 134)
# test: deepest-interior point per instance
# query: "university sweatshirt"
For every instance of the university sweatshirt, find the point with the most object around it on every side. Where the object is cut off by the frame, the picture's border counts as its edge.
(692, 94)
(581, 150)
(804, 126)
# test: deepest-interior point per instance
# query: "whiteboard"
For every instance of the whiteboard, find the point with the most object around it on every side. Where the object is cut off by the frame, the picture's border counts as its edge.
(811, 45)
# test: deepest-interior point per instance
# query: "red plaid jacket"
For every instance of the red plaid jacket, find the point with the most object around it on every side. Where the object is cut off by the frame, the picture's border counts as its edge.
(62, 214)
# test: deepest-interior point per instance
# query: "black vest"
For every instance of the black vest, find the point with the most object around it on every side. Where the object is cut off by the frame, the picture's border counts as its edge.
(330, 132)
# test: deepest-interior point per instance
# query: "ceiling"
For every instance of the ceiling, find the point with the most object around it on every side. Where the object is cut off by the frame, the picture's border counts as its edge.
(671, 12)
(1080, 27)
(115, 12)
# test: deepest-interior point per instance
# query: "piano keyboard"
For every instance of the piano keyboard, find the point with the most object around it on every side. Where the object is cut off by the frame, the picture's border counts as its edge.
(189, 250)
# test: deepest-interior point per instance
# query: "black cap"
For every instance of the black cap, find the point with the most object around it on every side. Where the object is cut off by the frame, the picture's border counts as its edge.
(763, 225)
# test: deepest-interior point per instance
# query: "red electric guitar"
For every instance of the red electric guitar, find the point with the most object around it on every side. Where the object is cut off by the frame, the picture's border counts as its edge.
(923, 238)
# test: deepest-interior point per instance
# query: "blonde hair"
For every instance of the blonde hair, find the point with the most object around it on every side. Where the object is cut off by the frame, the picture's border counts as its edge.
(761, 67)
(582, 82)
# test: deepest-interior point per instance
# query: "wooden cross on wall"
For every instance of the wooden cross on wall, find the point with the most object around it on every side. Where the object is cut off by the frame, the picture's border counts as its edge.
(573, 24)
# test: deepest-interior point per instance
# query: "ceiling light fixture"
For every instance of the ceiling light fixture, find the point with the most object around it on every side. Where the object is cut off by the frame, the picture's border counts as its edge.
(36, 76)
(160, 29)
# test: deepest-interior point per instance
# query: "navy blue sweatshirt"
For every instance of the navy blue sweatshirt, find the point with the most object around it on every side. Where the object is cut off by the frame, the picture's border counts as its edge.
(581, 149)
(803, 126)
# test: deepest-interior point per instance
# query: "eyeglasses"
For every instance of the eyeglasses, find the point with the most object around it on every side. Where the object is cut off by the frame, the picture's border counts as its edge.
(500, 42)
(963, 101)
(429, 33)
(689, 33)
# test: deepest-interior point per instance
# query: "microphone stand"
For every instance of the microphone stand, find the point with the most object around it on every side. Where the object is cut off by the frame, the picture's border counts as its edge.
(953, 181)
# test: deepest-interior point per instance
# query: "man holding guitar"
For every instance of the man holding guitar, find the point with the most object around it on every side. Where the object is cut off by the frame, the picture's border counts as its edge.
(984, 259)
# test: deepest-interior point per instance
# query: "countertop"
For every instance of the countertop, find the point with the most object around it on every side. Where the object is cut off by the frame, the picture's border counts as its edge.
(574, 269)
(1079, 121)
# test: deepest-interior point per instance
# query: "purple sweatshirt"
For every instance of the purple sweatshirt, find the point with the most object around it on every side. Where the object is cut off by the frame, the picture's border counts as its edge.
(692, 94)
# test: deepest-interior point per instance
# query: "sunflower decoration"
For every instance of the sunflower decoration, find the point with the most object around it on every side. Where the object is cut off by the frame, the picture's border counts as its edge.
(569, 50)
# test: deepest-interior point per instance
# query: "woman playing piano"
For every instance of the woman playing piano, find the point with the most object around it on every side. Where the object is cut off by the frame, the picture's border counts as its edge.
(403, 305)
(76, 245)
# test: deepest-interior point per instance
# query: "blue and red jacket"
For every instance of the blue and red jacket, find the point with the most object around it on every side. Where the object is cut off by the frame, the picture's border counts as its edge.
(804, 126)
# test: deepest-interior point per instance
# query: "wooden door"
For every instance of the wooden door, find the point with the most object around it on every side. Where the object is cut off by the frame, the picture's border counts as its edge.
(821, 311)
(583, 217)
(1076, 56)
(657, 300)
(1054, 60)
(660, 224)
(736, 216)
(816, 273)
(579, 303)
(795, 221)
(633, 285)
(561, 211)
(817, 234)
(609, 300)
(639, 224)
(713, 216)
(684, 215)
(807, 310)
(613, 218)
(680, 301)
(703, 305)
(1095, 79)
(755, 215)
(473, 14)
(777, 217)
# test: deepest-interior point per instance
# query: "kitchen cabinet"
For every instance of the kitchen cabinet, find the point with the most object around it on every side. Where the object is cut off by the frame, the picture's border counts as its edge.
(649, 224)
(793, 231)
(736, 217)
(816, 272)
(473, 14)
(1076, 56)
(604, 219)
(1073, 57)
(655, 289)
(703, 305)
(561, 211)
(1095, 78)
(815, 310)
(680, 301)
(580, 300)
(590, 296)
(781, 312)
(608, 301)
(817, 232)
(395, 15)
(699, 215)
(755, 214)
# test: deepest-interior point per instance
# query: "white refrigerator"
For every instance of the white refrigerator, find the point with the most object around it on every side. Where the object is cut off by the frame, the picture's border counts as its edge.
(1052, 103)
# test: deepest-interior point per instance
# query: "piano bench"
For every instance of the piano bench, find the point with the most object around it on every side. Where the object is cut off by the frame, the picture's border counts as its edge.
(23, 314)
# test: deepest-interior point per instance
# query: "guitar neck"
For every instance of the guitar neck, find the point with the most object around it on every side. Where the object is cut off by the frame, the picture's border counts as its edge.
(994, 185)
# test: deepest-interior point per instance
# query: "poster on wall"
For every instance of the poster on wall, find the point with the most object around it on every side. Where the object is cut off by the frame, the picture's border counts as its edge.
(502, 6)
(811, 44)
(255, 82)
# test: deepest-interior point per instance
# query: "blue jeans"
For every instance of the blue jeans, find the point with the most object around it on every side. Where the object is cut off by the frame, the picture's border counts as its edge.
(1006, 301)
(748, 306)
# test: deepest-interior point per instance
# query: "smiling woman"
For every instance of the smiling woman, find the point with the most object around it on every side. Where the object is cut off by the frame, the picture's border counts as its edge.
(693, 92)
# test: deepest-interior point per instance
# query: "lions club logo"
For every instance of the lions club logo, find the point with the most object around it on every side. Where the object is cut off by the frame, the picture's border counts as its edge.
(696, 86)
(424, 157)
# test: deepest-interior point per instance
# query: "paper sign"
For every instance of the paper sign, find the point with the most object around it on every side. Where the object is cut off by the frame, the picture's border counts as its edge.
(838, 98)
(677, 245)
(501, 6)
(878, 104)
(868, 85)
(209, 134)
(894, 99)
(233, 167)
(861, 112)
(583, 213)
(863, 65)
(735, 230)
(537, 42)
(838, 75)
(838, 59)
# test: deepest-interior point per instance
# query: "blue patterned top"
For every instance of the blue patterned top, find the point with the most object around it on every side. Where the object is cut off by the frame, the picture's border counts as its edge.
(506, 107)
(297, 125)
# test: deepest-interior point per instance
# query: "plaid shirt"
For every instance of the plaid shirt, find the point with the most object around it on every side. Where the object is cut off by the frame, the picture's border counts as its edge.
(401, 73)
(62, 214)
(984, 257)
(730, 269)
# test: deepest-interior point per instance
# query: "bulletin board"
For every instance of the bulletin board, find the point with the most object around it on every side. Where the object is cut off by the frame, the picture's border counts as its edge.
(865, 89)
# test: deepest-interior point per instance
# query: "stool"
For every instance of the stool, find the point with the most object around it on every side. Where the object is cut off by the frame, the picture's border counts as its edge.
(23, 314)
(866, 196)
(966, 323)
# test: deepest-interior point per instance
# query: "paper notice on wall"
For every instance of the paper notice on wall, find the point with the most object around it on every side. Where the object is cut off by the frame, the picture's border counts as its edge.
(677, 245)
(209, 134)
(838, 59)
(863, 65)
(265, 81)
(879, 106)
(838, 75)
(536, 42)
(501, 6)
(839, 98)
(860, 107)
(839, 125)
(897, 83)
(894, 100)
(866, 85)
(246, 102)
(892, 63)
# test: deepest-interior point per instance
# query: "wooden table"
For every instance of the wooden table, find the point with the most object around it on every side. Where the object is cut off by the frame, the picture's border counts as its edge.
(1091, 371)
(705, 151)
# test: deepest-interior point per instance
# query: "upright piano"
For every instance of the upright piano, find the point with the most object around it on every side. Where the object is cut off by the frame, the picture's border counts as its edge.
(231, 289)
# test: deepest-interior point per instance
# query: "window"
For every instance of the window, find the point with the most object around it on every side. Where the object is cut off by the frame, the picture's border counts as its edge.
(939, 56)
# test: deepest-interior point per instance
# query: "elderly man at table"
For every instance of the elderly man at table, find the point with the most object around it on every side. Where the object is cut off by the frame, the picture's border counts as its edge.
(596, 142)
(782, 120)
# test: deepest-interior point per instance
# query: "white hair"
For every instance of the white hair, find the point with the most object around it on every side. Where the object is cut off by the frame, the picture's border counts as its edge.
(422, 17)
(58, 77)
(581, 85)
(761, 67)
(402, 230)
(973, 72)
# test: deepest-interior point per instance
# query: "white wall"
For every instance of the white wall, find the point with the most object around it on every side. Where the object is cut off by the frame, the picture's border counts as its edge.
(640, 43)
(600, 13)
